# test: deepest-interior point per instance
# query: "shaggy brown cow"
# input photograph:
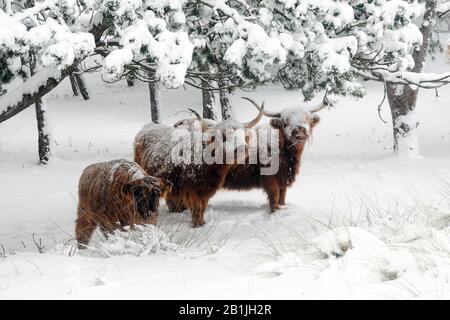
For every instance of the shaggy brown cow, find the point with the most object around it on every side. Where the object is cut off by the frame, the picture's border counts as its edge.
(189, 124)
(193, 184)
(115, 194)
(294, 126)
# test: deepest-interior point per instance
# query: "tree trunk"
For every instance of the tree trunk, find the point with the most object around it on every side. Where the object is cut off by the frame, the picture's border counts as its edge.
(209, 102)
(225, 105)
(155, 102)
(402, 98)
(8, 9)
(73, 84)
(81, 85)
(43, 132)
(42, 121)
(208, 96)
(130, 80)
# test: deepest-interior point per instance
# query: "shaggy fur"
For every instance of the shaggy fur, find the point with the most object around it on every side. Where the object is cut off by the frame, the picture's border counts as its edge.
(248, 176)
(115, 194)
(193, 184)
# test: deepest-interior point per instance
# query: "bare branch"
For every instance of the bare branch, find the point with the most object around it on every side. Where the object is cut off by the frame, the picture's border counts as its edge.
(381, 103)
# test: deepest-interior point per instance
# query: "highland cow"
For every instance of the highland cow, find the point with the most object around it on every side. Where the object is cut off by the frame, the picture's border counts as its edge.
(294, 127)
(193, 183)
(115, 194)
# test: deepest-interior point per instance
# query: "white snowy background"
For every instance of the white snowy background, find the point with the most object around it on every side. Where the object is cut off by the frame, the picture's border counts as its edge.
(359, 222)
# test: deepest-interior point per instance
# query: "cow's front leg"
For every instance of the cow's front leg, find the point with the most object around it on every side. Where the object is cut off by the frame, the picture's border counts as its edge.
(198, 213)
(84, 228)
(282, 200)
(273, 194)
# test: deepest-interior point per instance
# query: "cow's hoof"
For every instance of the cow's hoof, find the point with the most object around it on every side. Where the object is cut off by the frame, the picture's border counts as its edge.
(274, 209)
(198, 224)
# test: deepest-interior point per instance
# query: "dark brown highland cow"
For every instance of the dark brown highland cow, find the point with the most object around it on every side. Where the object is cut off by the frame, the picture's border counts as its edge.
(193, 184)
(295, 126)
(115, 194)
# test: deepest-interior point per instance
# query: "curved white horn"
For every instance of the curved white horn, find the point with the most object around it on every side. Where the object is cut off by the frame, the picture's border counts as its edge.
(317, 108)
(199, 118)
(267, 114)
(255, 121)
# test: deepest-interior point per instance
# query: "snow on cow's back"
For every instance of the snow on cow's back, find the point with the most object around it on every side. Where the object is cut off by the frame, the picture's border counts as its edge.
(153, 131)
(108, 170)
(154, 144)
(100, 177)
(130, 168)
(159, 136)
(229, 124)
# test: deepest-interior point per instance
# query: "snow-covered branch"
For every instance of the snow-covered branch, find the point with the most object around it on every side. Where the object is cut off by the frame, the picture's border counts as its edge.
(224, 8)
(443, 9)
(413, 79)
(17, 100)
(30, 12)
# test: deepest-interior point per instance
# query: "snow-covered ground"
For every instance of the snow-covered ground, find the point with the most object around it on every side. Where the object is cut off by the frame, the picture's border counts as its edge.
(359, 222)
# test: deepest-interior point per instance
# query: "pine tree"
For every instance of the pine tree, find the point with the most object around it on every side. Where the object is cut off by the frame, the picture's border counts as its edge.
(310, 46)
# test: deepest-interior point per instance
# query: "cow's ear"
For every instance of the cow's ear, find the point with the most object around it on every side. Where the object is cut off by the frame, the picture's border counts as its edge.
(126, 189)
(276, 123)
(315, 119)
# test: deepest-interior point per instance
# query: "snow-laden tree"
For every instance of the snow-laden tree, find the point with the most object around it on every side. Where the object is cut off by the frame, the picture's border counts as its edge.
(249, 43)
(147, 44)
(392, 49)
(331, 45)
(31, 40)
(403, 98)
(204, 70)
(399, 62)
(310, 45)
(213, 26)
(54, 36)
(132, 36)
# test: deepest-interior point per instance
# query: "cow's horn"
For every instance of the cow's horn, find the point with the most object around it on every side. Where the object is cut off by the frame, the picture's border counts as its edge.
(325, 103)
(267, 114)
(255, 121)
(317, 108)
(199, 118)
